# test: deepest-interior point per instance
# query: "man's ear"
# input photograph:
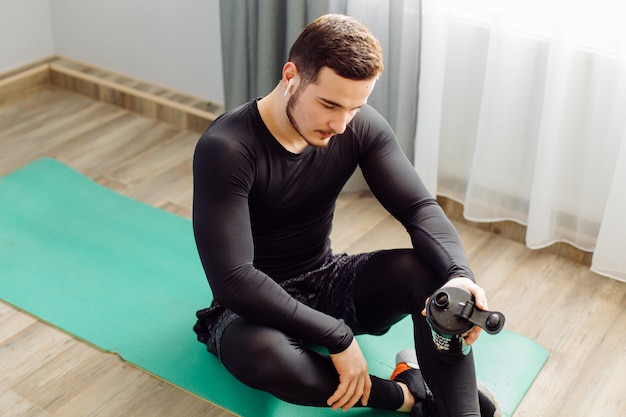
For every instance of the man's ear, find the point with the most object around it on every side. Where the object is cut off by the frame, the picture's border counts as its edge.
(290, 72)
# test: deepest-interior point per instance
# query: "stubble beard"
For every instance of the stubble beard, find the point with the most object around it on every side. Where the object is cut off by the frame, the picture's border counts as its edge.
(291, 103)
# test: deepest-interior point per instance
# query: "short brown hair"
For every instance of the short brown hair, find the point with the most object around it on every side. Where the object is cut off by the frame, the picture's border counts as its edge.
(341, 43)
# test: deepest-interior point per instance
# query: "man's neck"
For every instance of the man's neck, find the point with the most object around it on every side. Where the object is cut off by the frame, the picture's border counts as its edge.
(272, 109)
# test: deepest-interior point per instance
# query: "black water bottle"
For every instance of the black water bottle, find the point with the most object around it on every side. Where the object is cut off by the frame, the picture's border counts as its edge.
(451, 313)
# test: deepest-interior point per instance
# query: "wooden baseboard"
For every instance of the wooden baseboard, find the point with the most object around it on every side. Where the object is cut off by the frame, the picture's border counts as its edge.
(150, 100)
(16, 84)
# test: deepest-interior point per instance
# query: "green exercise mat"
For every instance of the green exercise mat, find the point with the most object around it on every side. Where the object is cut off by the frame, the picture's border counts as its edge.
(126, 277)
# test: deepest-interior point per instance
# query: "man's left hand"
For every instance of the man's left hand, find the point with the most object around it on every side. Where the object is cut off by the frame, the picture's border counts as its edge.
(354, 380)
(480, 298)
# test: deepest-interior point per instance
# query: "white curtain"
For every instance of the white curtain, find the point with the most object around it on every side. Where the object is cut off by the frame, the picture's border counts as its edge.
(522, 116)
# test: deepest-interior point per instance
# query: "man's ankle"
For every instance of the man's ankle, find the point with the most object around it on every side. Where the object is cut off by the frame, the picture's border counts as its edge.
(407, 405)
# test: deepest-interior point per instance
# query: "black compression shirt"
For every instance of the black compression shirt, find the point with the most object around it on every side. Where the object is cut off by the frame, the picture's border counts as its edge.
(262, 214)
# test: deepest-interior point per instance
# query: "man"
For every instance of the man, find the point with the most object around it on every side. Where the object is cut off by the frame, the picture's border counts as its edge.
(266, 177)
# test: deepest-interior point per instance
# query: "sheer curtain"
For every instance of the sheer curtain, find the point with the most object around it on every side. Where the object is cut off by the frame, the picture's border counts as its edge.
(522, 116)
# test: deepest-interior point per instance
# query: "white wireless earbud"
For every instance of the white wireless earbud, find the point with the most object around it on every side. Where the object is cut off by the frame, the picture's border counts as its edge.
(289, 85)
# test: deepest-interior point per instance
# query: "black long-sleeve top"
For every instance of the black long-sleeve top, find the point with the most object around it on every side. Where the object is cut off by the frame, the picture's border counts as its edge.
(262, 214)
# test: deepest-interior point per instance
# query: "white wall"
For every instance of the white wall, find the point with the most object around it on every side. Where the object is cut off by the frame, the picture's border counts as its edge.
(174, 43)
(25, 32)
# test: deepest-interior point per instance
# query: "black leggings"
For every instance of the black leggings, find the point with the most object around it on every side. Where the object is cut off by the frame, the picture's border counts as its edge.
(392, 285)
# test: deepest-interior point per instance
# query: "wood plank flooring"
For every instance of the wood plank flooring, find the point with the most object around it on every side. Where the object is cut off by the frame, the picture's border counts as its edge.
(579, 316)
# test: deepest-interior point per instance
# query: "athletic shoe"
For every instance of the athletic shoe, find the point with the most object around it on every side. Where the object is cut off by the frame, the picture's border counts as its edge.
(489, 406)
(407, 371)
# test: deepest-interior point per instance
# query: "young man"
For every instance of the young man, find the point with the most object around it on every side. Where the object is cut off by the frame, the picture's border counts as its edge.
(266, 177)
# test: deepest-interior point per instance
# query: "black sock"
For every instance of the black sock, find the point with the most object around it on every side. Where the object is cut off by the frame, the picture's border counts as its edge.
(385, 394)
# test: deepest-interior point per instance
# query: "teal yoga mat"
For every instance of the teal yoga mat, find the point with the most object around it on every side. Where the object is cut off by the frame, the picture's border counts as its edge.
(125, 277)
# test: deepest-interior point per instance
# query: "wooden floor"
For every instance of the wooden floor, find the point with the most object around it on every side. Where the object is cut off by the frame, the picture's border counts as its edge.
(579, 316)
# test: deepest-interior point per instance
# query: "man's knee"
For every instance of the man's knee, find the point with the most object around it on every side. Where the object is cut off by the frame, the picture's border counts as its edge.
(401, 267)
(254, 354)
(394, 283)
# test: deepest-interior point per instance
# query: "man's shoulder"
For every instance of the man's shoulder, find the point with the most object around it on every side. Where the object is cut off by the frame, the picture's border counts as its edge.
(234, 127)
(369, 126)
(238, 117)
(369, 115)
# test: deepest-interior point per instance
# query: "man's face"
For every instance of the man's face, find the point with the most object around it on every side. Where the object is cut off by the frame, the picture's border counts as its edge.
(322, 109)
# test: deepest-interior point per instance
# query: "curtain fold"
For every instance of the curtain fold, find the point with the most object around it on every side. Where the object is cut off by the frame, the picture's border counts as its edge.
(608, 258)
(256, 37)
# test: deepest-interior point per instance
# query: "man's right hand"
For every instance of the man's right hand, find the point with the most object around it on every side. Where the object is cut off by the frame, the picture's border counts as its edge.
(354, 379)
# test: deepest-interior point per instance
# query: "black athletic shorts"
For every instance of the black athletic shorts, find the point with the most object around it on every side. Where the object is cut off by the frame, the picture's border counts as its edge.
(329, 289)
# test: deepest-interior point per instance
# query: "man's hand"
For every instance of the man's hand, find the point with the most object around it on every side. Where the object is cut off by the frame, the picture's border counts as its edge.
(480, 300)
(354, 380)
